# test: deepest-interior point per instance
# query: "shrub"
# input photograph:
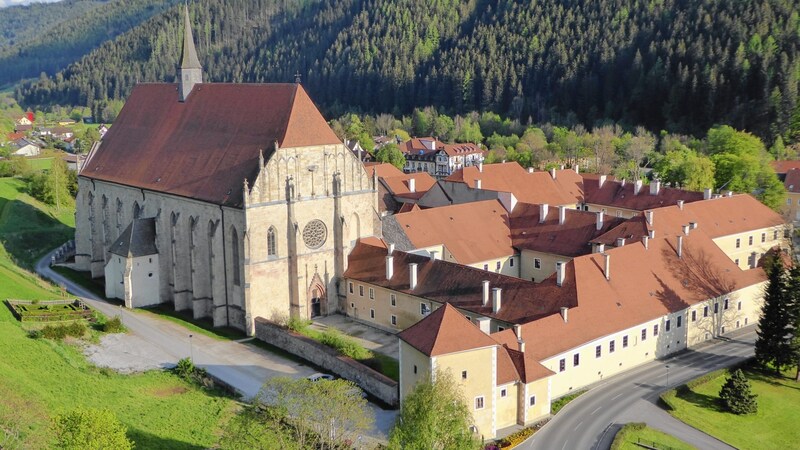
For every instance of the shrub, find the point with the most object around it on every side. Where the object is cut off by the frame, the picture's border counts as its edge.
(185, 368)
(562, 402)
(58, 332)
(344, 344)
(297, 325)
(735, 394)
(114, 325)
(34, 334)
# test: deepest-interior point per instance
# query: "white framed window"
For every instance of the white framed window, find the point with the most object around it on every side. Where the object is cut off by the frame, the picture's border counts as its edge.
(725, 304)
(393, 299)
(394, 320)
(486, 267)
(371, 313)
(576, 360)
(532, 401)
(655, 330)
(371, 294)
(750, 240)
(668, 324)
(463, 374)
(624, 341)
(479, 402)
(511, 262)
(598, 351)
(497, 266)
(679, 321)
(763, 237)
(612, 346)
(738, 242)
(351, 287)
(352, 305)
(503, 392)
(361, 290)
(562, 365)
(537, 263)
(644, 334)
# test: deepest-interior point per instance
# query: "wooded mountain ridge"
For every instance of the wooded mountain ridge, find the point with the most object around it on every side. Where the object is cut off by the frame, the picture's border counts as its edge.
(678, 65)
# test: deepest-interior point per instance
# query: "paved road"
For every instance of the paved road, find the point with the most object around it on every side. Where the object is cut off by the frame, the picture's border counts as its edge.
(591, 421)
(242, 366)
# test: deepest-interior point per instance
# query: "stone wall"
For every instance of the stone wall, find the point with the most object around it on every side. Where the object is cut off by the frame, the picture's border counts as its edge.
(372, 382)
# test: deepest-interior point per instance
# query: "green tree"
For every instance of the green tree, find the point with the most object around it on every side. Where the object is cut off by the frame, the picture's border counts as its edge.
(735, 394)
(434, 415)
(322, 413)
(390, 153)
(773, 345)
(90, 429)
(684, 167)
(54, 185)
(257, 429)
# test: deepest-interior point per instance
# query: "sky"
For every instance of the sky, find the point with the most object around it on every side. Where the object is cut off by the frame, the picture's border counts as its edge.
(4, 3)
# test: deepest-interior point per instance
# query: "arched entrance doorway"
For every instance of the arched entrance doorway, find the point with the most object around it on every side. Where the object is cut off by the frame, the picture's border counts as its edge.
(317, 299)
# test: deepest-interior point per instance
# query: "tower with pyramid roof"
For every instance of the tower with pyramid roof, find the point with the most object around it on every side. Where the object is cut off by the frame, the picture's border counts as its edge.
(190, 72)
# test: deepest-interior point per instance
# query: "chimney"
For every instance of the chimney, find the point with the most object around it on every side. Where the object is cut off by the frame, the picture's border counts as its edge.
(518, 331)
(480, 166)
(645, 240)
(648, 215)
(602, 180)
(707, 194)
(680, 205)
(389, 267)
(729, 194)
(496, 299)
(521, 345)
(564, 311)
(692, 225)
(655, 187)
(562, 215)
(680, 246)
(562, 167)
(600, 248)
(412, 275)
(599, 220)
(485, 292)
(685, 229)
(651, 234)
(530, 169)
(412, 185)
(620, 241)
(607, 270)
(577, 168)
(559, 273)
(553, 173)
(637, 187)
(477, 183)
(390, 249)
(485, 324)
(543, 209)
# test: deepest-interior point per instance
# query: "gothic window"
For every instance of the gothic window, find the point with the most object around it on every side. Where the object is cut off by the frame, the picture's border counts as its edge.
(272, 244)
(119, 217)
(192, 252)
(211, 232)
(106, 230)
(235, 256)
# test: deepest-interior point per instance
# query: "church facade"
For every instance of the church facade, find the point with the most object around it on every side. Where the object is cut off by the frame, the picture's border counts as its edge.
(256, 202)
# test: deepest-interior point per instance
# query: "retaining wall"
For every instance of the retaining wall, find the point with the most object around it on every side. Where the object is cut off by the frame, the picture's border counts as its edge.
(375, 383)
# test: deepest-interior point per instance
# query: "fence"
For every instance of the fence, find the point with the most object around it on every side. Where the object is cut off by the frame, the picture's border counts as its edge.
(49, 310)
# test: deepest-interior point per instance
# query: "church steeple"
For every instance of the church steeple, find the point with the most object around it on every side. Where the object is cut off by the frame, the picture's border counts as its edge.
(191, 72)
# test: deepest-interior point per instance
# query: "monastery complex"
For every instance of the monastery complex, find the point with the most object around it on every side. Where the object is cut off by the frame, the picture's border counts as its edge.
(237, 201)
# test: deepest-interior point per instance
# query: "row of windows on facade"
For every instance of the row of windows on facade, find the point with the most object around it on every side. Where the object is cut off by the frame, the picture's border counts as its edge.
(598, 350)
(498, 265)
(479, 400)
(763, 239)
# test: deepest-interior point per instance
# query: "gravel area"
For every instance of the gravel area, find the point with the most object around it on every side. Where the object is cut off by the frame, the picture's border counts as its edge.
(127, 353)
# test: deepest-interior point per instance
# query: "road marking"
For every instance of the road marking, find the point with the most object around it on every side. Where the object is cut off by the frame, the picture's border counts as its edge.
(709, 357)
(596, 409)
(578, 426)
(565, 445)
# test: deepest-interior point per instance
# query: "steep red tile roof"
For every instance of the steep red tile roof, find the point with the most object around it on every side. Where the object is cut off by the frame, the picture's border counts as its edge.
(506, 369)
(472, 232)
(792, 181)
(785, 166)
(536, 187)
(644, 284)
(569, 239)
(384, 170)
(616, 194)
(415, 146)
(446, 282)
(445, 331)
(205, 147)
(527, 368)
(400, 185)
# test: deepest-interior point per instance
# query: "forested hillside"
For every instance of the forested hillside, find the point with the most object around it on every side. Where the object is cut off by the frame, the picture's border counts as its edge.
(23, 22)
(48, 37)
(680, 65)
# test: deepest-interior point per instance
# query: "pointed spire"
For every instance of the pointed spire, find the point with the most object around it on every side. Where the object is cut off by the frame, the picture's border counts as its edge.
(189, 57)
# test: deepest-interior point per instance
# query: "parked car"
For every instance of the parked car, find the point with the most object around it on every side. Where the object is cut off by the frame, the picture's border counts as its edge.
(320, 377)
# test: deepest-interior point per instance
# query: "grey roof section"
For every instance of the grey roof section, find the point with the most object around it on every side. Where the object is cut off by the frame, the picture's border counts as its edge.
(393, 233)
(139, 239)
(189, 57)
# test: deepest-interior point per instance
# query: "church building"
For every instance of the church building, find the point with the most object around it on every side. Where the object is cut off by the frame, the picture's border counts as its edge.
(254, 201)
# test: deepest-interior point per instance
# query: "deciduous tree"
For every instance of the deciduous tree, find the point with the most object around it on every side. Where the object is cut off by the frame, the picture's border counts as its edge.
(90, 429)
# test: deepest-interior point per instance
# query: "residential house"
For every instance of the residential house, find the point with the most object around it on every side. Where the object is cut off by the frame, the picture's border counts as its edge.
(396, 188)
(437, 158)
(25, 147)
(789, 173)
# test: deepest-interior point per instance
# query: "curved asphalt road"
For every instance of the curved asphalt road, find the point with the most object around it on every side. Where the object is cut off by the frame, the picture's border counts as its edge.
(243, 367)
(591, 421)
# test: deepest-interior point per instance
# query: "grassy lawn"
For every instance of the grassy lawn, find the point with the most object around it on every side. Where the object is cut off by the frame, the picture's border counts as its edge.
(40, 378)
(633, 434)
(774, 426)
(40, 163)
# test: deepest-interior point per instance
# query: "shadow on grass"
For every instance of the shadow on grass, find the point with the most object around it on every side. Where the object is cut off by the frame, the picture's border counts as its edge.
(144, 439)
(700, 400)
(28, 233)
(771, 378)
